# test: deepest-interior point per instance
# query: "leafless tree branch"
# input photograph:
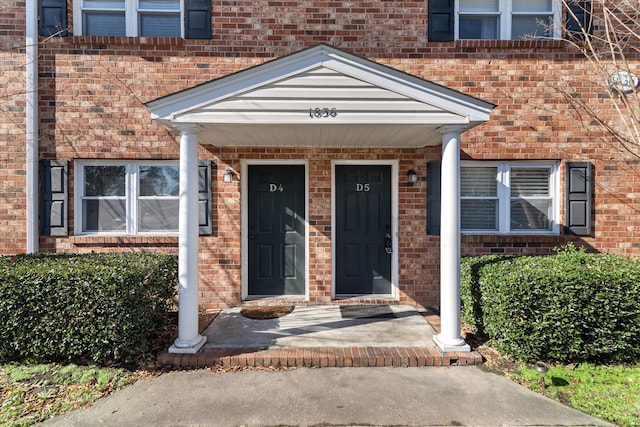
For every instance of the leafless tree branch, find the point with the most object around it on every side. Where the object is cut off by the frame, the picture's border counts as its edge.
(610, 42)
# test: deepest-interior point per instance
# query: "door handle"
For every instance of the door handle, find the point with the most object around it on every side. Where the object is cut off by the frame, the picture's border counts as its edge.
(388, 247)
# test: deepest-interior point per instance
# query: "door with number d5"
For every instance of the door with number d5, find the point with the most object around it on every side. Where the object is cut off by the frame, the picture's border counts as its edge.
(363, 229)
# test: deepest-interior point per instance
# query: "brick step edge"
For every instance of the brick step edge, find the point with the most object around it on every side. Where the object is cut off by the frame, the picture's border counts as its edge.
(322, 357)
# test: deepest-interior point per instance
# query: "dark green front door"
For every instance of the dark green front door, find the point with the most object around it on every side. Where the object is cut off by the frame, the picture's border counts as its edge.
(276, 230)
(363, 229)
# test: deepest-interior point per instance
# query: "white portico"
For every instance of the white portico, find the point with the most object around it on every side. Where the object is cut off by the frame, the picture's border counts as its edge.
(320, 97)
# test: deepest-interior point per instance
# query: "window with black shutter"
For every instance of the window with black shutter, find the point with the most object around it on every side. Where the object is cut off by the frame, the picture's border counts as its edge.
(144, 18)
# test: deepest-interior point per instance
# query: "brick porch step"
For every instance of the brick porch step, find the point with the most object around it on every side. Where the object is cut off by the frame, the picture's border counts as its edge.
(320, 357)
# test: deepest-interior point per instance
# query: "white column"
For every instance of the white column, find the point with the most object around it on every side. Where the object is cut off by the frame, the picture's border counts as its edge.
(189, 340)
(449, 338)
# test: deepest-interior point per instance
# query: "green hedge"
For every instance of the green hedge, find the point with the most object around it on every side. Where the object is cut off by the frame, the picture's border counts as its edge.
(572, 306)
(98, 307)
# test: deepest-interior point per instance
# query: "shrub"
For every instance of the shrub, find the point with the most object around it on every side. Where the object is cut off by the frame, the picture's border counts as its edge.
(99, 307)
(572, 306)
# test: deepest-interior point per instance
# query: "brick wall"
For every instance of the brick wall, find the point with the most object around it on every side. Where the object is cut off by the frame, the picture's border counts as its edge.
(12, 128)
(93, 91)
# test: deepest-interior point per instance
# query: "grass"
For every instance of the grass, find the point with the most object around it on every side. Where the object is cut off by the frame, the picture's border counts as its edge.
(608, 392)
(611, 393)
(30, 394)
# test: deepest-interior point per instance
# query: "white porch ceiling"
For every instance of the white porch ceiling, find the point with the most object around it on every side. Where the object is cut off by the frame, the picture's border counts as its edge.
(375, 135)
(360, 103)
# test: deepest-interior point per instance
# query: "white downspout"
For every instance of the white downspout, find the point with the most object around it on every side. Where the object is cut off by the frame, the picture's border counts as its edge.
(31, 41)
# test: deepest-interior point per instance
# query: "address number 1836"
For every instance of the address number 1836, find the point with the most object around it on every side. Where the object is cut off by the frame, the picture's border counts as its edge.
(319, 113)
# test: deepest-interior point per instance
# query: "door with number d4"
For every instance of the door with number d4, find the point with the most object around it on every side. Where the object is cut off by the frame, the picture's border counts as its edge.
(276, 230)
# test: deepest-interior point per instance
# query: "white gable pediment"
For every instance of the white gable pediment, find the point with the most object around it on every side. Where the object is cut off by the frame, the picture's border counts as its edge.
(304, 97)
(320, 96)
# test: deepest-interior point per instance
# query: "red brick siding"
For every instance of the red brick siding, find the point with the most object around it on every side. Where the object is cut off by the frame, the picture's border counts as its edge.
(12, 128)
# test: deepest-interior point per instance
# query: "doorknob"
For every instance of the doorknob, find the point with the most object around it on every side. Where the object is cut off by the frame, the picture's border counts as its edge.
(388, 248)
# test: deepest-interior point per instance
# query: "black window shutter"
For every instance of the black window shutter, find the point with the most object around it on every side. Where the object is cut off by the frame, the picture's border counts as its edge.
(204, 197)
(433, 198)
(440, 26)
(197, 18)
(53, 17)
(578, 17)
(54, 197)
(578, 207)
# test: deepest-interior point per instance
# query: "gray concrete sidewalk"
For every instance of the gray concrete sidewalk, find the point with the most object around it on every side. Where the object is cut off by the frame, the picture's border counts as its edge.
(329, 396)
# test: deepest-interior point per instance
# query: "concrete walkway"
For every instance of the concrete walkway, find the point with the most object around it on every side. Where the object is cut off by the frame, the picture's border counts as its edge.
(327, 397)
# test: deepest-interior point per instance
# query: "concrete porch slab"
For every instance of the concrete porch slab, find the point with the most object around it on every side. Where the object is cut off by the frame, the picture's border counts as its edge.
(324, 326)
(323, 336)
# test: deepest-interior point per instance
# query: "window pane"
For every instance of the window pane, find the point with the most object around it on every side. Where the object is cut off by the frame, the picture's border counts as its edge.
(479, 214)
(104, 180)
(104, 215)
(532, 182)
(104, 23)
(532, 6)
(478, 182)
(530, 215)
(159, 25)
(478, 27)
(158, 215)
(104, 4)
(159, 5)
(159, 180)
(527, 26)
(479, 6)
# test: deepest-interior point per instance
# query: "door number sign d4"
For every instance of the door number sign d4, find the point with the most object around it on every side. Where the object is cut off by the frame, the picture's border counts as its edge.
(275, 187)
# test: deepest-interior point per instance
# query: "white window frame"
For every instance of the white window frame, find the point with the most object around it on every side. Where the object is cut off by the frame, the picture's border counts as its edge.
(131, 17)
(132, 195)
(503, 176)
(504, 16)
